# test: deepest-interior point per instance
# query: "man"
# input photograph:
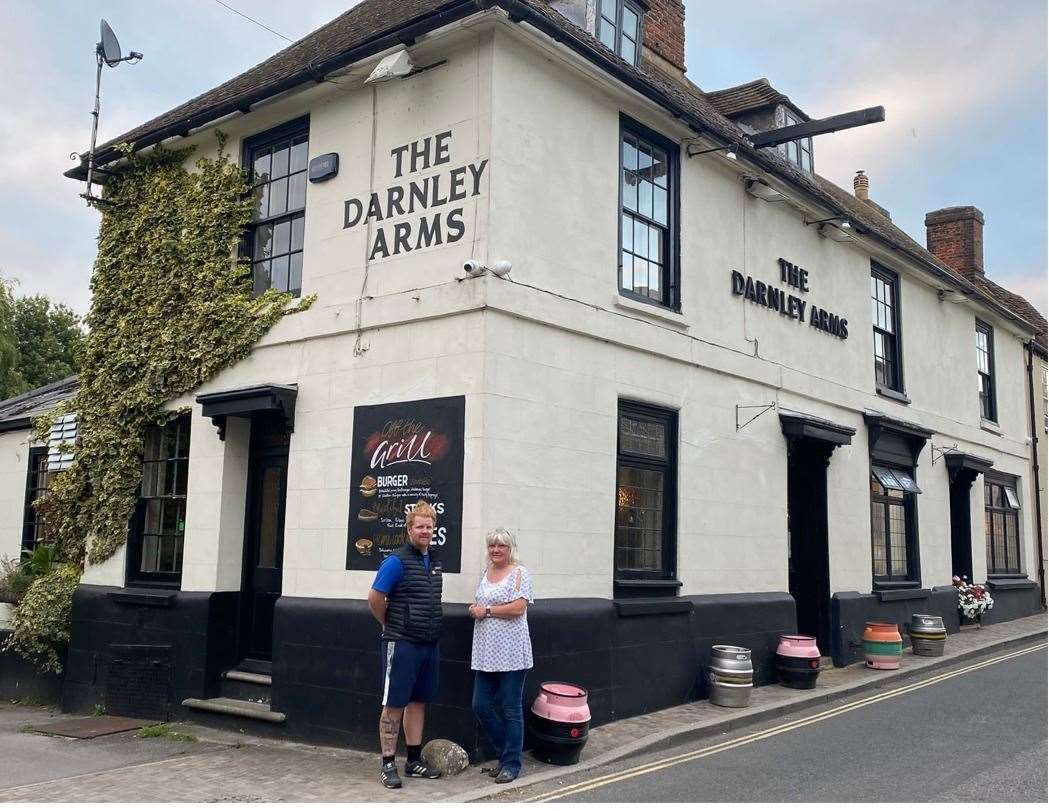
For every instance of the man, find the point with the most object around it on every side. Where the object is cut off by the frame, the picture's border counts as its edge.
(406, 600)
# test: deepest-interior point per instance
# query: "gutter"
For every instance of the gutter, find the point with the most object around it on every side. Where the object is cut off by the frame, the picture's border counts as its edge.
(404, 35)
(15, 424)
(1037, 475)
(519, 11)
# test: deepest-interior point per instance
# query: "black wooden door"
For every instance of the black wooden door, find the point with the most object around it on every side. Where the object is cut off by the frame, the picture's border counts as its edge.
(809, 564)
(961, 527)
(264, 536)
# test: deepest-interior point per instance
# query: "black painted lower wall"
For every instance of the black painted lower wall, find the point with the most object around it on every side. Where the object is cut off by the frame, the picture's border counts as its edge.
(1013, 598)
(326, 674)
(22, 681)
(199, 628)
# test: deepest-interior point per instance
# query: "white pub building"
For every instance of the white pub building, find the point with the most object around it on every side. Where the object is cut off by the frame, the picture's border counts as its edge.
(717, 398)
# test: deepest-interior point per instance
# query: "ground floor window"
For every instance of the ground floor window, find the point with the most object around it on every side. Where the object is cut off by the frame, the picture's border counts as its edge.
(34, 531)
(159, 526)
(646, 492)
(893, 528)
(1002, 526)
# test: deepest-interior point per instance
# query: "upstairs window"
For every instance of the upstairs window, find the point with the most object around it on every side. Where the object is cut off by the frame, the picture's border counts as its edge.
(619, 28)
(159, 525)
(648, 217)
(985, 371)
(797, 152)
(886, 319)
(1002, 526)
(276, 161)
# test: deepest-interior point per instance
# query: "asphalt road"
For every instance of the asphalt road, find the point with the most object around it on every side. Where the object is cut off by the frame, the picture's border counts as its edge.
(977, 736)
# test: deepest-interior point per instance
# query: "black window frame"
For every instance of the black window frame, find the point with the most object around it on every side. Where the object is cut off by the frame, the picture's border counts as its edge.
(802, 147)
(668, 418)
(988, 396)
(1007, 512)
(894, 386)
(137, 529)
(618, 34)
(908, 501)
(289, 131)
(671, 280)
(32, 523)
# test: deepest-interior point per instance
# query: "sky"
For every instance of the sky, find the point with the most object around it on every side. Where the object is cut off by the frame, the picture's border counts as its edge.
(963, 83)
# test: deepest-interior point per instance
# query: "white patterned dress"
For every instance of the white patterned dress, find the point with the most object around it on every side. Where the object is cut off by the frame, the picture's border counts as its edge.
(503, 644)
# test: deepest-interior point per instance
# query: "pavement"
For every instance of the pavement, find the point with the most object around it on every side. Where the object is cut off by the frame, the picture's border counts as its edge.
(228, 766)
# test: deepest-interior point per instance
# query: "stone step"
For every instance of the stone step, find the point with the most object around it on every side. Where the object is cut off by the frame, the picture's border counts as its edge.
(232, 706)
(252, 678)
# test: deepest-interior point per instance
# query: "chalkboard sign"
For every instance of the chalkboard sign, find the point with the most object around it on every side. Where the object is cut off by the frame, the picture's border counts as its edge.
(403, 452)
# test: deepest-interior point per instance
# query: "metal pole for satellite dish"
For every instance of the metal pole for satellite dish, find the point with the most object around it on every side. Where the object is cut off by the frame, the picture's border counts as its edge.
(94, 122)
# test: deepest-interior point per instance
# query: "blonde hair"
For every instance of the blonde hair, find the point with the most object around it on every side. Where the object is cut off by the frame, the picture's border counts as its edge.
(420, 509)
(503, 535)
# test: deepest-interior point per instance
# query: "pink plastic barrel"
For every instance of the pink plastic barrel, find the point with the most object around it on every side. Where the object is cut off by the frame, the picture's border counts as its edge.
(558, 701)
(559, 723)
(797, 645)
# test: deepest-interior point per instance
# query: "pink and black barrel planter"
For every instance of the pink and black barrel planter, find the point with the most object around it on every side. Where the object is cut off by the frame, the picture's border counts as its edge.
(798, 661)
(559, 722)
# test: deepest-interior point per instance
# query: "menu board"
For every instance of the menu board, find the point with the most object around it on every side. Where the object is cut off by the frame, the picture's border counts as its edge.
(404, 452)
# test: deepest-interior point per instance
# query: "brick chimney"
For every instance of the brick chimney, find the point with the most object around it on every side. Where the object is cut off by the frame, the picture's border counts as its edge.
(955, 237)
(664, 33)
(861, 185)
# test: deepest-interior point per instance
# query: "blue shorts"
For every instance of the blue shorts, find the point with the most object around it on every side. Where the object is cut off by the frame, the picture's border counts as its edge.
(410, 672)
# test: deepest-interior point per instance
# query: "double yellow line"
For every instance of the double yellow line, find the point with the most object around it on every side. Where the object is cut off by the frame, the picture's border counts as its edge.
(637, 771)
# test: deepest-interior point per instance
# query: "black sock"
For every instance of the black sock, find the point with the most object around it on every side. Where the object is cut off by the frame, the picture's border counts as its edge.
(387, 760)
(414, 753)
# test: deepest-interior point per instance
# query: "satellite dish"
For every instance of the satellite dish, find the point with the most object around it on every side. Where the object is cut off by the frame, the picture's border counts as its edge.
(109, 46)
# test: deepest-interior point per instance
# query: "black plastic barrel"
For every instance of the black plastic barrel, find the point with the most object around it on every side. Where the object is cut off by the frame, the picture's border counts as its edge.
(557, 742)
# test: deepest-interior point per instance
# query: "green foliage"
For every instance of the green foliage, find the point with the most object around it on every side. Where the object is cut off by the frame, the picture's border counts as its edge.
(17, 575)
(100, 709)
(164, 731)
(10, 379)
(171, 307)
(49, 338)
(40, 623)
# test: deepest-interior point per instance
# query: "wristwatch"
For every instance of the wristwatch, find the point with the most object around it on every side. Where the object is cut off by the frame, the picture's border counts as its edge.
(487, 611)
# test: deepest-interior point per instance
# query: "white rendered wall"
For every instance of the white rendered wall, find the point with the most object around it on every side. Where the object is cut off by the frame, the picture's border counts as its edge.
(14, 470)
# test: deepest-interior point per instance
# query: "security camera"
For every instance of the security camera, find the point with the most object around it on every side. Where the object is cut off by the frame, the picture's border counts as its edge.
(501, 268)
(474, 267)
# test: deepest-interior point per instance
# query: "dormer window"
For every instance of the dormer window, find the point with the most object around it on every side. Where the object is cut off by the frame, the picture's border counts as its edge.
(797, 152)
(619, 27)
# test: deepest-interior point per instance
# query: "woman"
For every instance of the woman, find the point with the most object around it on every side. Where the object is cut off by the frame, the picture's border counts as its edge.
(502, 651)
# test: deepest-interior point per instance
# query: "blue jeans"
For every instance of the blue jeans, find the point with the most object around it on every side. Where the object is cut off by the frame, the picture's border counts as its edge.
(505, 726)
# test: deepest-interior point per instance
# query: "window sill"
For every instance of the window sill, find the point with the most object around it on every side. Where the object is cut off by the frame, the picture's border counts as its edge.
(889, 592)
(656, 311)
(999, 582)
(991, 427)
(157, 597)
(663, 589)
(648, 606)
(892, 394)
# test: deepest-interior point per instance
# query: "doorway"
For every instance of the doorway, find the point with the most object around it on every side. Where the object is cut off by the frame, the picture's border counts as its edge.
(264, 535)
(808, 571)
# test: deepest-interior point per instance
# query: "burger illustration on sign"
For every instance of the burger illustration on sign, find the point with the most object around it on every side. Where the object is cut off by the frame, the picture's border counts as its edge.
(369, 486)
(364, 546)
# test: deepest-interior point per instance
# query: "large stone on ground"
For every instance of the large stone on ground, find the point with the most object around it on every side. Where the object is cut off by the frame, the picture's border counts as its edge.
(447, 756)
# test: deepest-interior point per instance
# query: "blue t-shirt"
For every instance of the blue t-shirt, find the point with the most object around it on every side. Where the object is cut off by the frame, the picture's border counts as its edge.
(391, 572)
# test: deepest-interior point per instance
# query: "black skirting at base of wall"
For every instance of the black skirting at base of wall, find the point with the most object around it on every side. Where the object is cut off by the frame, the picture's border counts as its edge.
(631, 658)
(197, 630)
(22, 681)
(850, 611)
(1013, 598)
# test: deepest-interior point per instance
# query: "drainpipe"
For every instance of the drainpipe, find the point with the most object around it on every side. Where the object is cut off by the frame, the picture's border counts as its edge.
(1034, 458)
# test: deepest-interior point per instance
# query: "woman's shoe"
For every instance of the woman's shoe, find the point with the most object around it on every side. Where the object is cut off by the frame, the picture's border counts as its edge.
(505, 776)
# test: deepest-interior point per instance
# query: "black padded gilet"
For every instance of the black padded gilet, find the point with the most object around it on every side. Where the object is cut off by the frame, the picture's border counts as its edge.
(413, 607)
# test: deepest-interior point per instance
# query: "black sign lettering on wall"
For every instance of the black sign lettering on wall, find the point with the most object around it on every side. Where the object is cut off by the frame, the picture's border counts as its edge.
(417, 197)
(786, 303)
(404, 452)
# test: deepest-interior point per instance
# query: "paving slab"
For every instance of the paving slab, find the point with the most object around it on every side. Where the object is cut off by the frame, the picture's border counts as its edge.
(94, 727)
(226, 766)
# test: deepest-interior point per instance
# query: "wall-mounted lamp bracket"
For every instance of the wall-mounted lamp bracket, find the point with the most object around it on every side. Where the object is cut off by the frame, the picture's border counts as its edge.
(765, 407)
